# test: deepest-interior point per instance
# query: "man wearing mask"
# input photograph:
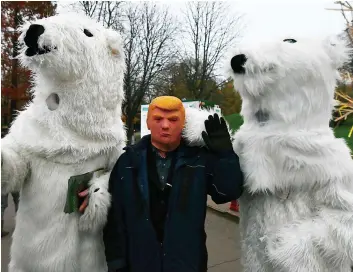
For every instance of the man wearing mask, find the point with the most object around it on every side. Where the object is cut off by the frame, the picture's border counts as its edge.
(159, 192)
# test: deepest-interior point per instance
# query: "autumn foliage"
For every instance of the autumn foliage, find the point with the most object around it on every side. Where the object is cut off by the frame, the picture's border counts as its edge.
(15, 80)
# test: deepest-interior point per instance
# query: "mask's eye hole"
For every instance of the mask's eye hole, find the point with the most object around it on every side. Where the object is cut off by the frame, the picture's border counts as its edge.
(290, 40)
(87, 33)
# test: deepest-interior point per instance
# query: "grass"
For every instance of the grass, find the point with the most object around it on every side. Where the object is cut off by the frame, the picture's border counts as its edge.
(235, 121)
(342, 132)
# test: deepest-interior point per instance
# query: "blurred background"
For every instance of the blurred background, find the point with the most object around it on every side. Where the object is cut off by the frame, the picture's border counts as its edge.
(177, 48)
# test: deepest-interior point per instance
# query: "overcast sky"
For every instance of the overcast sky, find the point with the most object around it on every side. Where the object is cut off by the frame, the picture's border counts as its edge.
(275, 19)
(287, 17)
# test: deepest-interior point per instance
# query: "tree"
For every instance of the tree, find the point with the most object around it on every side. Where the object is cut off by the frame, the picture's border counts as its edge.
(348, 31)
(344, 91)
(211, 28)
(346, 6)
(148, 33)
(106, 12)
(149, 49)
(172, 81)
(14, 79)
(231, 100)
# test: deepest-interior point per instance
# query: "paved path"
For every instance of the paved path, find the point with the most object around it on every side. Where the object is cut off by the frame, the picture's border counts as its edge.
(222, 240)
(222, 243)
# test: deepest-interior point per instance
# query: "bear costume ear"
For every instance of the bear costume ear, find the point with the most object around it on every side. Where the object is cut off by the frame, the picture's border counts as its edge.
(337, 50)
(114, 42)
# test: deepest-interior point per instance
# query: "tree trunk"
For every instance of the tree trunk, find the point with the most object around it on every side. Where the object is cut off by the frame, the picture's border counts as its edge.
(130, 128)
(14, 81)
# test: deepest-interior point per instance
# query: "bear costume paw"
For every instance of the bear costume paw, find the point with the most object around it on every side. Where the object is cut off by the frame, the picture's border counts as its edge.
(95, 215)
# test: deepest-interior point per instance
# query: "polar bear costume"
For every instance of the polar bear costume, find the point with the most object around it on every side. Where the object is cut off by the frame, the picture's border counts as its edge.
(72, 126)
(296, 213)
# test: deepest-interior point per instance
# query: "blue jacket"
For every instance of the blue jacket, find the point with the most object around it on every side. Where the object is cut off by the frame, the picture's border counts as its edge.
(129, 237)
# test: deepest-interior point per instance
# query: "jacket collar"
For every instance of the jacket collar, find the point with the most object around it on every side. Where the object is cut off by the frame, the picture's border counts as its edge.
(184, 151)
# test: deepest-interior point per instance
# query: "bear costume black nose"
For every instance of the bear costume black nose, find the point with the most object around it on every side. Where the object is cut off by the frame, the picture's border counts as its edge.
(237, 63)
(32, 35)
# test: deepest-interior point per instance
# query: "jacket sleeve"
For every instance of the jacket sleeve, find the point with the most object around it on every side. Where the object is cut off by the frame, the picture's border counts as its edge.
(224, 176)
(114, 233)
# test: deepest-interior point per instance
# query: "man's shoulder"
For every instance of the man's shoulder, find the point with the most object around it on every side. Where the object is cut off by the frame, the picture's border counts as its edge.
(131, 151)
(123, 157)
(208, 154)
(123, 160)
(194, 149)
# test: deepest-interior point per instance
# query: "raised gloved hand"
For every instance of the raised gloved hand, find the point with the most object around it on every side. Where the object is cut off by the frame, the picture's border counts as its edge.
(217, 138)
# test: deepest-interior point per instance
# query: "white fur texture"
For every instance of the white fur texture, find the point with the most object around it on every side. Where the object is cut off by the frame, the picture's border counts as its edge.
(195, 124)
(297, 208)
(46, 147)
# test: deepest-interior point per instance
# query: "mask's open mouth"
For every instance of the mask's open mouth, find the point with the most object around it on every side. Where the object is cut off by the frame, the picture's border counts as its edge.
(31, 51)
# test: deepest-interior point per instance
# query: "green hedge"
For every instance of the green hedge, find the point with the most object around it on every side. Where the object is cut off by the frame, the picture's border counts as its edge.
(343, 130)
(235, 121)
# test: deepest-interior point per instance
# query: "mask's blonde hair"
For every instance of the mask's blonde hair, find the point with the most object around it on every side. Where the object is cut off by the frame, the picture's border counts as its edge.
(167, 103)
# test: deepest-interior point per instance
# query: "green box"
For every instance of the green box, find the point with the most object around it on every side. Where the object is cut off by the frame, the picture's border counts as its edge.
(77, 184)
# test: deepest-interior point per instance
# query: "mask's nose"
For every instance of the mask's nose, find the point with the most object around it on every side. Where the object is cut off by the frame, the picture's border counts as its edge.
(32, 35)
(237, 63)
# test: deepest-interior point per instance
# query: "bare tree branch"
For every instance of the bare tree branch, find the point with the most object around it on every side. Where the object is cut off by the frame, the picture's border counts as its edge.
(346, 6)
(148, 33)
(148, 52)
(211, 29)
(109, 13)
(89, 7)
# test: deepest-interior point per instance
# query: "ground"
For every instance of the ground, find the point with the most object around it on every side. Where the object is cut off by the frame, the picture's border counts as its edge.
(222, 241)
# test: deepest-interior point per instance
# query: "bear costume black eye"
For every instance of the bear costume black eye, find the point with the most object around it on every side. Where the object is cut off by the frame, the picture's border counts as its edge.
(87, 33)
(290, 40)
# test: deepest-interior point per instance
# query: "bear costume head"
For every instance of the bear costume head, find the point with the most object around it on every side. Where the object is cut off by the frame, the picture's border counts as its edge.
(70, 47)
(287, 90)
(77, 70)
(288, 82)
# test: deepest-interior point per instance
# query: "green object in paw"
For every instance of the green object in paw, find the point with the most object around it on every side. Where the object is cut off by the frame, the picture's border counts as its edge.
(77, 184)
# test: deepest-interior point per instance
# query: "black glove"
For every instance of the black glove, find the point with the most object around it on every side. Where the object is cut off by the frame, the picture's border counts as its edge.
(217, 138)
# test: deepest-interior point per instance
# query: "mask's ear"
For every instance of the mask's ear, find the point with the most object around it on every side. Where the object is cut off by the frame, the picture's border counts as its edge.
(115, 44)
(337, 50)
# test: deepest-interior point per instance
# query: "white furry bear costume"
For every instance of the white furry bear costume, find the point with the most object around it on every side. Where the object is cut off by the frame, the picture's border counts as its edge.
(296, 213)
(73, 126)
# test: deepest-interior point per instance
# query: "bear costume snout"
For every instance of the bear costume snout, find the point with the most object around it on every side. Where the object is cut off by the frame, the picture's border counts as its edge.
(32, 35)
(31, 40)
(237, 63)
